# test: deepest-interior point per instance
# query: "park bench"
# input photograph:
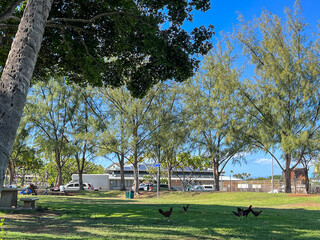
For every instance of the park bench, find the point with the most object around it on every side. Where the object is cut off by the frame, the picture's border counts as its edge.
(29, 202)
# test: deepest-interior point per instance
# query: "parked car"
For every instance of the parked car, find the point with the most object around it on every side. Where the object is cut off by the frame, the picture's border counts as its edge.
(201, 188)
(75, 186)
(148, 186)
(141, 186)
(164, 187)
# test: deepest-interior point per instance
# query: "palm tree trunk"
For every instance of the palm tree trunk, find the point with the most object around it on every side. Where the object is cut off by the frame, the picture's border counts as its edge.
(17, 73)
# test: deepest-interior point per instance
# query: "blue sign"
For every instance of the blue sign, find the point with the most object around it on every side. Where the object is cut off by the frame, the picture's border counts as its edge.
(157, 164)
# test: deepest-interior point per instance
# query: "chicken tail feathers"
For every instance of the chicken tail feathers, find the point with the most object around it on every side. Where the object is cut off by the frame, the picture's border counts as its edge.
(160, 211)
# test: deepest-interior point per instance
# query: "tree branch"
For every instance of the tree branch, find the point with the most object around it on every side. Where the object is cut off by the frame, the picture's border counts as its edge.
(8, 13)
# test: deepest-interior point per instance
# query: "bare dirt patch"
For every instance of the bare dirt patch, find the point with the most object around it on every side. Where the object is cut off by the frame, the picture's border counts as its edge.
(302, 195)
(302, 205)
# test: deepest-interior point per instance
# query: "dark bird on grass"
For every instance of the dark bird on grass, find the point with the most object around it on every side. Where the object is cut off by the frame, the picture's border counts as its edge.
(256, 213)
(247, 211)
(239, 213)
(166, 214)
(185, 208)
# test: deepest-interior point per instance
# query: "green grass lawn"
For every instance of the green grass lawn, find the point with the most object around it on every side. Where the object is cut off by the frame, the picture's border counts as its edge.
(109, 215)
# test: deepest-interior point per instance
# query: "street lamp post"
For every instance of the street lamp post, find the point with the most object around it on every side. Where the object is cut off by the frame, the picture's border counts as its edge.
(272, 182)
(230, 180)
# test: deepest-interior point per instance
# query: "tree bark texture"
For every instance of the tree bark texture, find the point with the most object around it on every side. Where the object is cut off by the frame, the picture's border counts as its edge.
(17, 73)
(287, 174)
(122, 179)
(216, 175)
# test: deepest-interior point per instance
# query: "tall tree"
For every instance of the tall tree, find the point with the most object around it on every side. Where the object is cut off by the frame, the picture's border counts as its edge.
(167, 127)
(56, 105)
(82, 140)
(282, 100)
(209, 101)
(110, 124)
(97, 42)
(137, 112)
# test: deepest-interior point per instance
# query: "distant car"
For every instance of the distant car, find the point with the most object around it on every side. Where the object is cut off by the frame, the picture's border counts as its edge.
(163, 187)
(148, 186)
(143, 186)
(75, 186)
(201, 188)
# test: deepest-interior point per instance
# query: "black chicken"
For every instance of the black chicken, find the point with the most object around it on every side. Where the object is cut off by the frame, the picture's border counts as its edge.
(185, 208)
(166, 214)
(247, 211)
(256, 213)
(239, 213)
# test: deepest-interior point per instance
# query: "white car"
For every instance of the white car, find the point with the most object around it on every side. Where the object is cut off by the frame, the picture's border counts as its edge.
(75, 186)
(202, 188)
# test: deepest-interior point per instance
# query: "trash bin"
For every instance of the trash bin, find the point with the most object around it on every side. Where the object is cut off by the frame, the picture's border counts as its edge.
(131, 194)
(127, 194)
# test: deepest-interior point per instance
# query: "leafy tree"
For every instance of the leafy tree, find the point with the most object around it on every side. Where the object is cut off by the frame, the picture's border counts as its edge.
(56, 105)
(82, 135)
(125, 130)
(20, 146)
(27, 162)
(95, 42)
(209, 102)
(281, 102)
(167, 127)
(244, 176)
(110, 124)
(188, 165)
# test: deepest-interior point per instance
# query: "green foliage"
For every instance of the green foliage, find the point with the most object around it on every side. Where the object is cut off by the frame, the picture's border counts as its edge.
(3, 233)
(280, 102)
(242, 175)
(103, 43)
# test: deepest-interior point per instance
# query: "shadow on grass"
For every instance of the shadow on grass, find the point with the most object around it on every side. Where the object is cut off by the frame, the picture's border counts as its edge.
(92, 218)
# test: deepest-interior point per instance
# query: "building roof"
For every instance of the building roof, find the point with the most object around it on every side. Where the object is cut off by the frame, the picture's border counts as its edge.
(146, 166)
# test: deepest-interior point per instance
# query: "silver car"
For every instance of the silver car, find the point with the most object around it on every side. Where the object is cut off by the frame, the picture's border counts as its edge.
(76, 186)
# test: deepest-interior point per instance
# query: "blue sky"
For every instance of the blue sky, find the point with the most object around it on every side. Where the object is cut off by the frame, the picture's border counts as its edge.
(223, 15)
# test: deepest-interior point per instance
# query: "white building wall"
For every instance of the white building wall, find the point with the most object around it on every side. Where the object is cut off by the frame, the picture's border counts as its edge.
(99, 181)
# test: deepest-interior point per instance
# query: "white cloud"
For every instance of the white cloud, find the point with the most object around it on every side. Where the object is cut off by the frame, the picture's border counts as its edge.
(263, 161)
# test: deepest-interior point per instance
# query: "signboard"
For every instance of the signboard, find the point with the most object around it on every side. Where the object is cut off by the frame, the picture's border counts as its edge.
(157, 164)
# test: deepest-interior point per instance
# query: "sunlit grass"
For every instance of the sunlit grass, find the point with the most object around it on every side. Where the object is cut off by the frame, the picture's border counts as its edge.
(109, 215)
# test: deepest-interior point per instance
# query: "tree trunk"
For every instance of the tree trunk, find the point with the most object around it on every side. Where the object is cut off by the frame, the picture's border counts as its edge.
(307, 183)
(80, 165)
(23, 177)
(80, 180)
(122, 179)
(59, 168)
(169, 174)
(216, 181)
(287, 174)
(17, 73)
(216, 175)
(11, 169)
(135, 177)
(59, 176)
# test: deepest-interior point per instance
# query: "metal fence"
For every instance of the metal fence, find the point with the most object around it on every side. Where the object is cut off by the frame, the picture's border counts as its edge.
(261, 186)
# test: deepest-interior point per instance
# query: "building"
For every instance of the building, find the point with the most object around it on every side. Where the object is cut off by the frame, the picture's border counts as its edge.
(194, 177)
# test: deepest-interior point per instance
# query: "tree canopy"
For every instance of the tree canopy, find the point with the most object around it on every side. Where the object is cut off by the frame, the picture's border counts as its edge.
(137, 43)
